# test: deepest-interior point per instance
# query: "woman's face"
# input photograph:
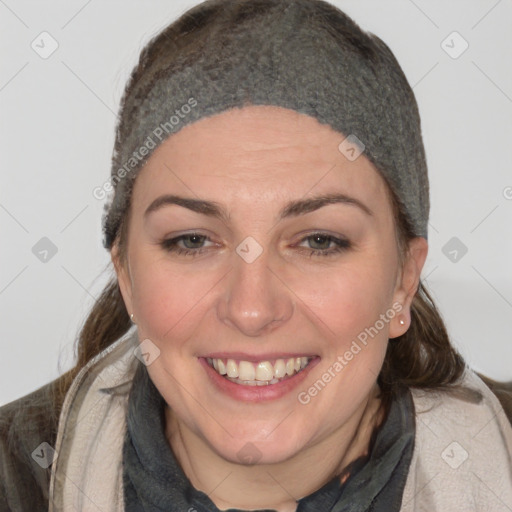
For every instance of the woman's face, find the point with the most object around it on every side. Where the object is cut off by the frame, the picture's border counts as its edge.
(254, 243)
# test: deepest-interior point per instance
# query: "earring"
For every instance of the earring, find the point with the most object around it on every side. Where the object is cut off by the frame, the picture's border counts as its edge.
(402, 321)
(131, 318)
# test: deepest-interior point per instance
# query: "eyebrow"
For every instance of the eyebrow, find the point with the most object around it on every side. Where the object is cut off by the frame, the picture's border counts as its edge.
(292, 209)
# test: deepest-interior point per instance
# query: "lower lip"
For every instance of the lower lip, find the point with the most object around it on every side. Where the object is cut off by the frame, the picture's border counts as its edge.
(257, 393)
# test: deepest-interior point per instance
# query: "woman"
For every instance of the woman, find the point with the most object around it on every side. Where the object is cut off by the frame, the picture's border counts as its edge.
(268, 229)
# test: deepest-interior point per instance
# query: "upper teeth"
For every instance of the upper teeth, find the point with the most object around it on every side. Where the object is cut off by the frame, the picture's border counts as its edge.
(261, 371)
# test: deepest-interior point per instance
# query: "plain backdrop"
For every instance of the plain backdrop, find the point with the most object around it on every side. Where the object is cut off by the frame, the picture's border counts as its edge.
(57, 123)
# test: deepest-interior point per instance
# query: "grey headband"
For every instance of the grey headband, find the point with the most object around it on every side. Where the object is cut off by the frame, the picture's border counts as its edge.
(285, 57)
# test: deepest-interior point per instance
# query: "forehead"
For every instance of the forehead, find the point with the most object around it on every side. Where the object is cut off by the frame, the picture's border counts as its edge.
(258, 153)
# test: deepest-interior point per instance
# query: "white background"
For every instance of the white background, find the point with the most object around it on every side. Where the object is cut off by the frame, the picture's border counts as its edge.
(57, 123)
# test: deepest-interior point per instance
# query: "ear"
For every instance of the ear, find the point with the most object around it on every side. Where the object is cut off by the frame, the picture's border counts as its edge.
(123, 277)
(407, 284)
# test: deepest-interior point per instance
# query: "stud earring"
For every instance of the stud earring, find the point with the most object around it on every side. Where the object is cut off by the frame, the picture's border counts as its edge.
(402, 321)
(131, 318)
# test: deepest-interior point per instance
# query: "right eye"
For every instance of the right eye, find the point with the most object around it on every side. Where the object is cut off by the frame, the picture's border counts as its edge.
(189, 244)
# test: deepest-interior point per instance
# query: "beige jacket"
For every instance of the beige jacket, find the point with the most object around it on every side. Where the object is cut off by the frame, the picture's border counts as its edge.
(462, 459)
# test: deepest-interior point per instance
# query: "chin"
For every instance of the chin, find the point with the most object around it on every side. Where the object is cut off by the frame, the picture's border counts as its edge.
(261, 446)
(256, 453)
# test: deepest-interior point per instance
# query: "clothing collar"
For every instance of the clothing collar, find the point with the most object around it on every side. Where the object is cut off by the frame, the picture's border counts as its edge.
(90, 434)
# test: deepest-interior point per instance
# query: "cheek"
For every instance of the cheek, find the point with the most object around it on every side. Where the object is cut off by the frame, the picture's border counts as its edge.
(167, 301)
(346, 301)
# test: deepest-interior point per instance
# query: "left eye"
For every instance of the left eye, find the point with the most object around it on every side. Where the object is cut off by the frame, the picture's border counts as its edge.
(193, 241)
(322, 244)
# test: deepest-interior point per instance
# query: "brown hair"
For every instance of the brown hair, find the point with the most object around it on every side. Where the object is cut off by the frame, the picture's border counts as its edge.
(422, 357)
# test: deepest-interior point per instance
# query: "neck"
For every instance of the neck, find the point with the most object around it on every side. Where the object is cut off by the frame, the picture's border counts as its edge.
(231, 485)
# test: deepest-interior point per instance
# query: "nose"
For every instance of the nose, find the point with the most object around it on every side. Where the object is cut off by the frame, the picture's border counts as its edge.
(255, 301)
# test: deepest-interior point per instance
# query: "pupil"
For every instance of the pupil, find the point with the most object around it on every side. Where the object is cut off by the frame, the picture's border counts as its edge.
(323, 241)
(192, 240)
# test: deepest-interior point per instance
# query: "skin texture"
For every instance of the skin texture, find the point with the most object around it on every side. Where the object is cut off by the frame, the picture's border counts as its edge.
(253, 161)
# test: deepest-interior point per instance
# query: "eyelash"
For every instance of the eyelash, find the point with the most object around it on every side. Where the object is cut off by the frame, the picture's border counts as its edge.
(170, 245)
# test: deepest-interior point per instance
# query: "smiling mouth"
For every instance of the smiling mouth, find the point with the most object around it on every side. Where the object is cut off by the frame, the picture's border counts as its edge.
(262, 373)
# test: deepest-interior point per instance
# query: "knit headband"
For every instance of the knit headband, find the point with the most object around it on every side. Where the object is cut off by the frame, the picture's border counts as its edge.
(297, 54)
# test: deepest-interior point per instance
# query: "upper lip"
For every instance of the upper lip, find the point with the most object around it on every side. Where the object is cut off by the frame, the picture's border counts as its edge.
(240, 356)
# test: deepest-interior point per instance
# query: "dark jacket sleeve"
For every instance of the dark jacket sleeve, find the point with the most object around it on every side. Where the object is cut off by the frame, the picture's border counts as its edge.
(25, 424)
